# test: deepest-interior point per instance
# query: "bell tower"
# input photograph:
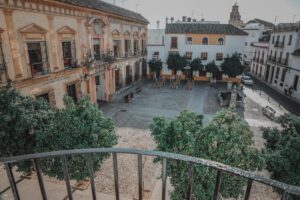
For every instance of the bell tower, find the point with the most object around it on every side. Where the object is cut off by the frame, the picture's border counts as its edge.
(235, 17)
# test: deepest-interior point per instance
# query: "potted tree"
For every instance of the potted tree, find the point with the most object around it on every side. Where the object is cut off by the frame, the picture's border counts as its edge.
(155, 66)
(176, 62)
(232, 66)
(196, 65)
(212, 68)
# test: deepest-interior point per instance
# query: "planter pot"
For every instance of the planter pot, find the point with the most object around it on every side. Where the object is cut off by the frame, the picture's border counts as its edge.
(81, 185)
(229, 85)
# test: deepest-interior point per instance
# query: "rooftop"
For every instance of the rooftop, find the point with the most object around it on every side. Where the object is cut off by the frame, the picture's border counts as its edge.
(260, 21)
(287, 27)
(106, 7)
(199, 28)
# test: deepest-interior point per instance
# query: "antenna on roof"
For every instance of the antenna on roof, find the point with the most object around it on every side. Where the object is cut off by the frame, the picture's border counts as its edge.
(136, 7)
(114, 2)
(294, 17)
(276, 17)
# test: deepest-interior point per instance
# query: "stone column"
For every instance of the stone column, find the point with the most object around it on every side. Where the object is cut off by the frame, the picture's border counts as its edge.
(13, 43)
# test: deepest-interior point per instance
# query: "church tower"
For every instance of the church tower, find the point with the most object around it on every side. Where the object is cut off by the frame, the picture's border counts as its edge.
(235, 17)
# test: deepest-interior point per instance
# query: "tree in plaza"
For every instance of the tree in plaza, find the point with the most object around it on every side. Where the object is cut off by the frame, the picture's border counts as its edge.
(155, 66)
(212, 68)
(226, 139)
(176, 62)
(232, 66)
(282, 151)
(196, 65)
(28, 125)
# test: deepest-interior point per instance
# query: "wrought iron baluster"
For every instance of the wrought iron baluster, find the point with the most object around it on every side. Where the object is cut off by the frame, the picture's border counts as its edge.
(190, 181)
(12, 181)
(248, 189)
(66, 175)
(164, 178)
(116, 175)
(218, 185)
(40, 178)
(285, 196)
(140, 176)
(91, 172)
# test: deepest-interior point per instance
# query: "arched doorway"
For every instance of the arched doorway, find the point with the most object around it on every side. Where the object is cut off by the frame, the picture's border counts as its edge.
(137, 71)
(118, 80)
(128, 75)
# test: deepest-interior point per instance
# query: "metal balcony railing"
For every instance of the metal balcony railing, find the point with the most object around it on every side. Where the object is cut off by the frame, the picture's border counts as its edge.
(279, 44)
(192, 161)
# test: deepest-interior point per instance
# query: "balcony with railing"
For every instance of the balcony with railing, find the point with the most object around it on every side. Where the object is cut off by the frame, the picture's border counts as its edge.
(220, 169)
(39, 69)
(279, 44)
(261, 60)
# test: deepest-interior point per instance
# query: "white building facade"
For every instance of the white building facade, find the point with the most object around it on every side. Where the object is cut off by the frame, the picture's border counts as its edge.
(209, 42)
(283, 65)
(259, 60)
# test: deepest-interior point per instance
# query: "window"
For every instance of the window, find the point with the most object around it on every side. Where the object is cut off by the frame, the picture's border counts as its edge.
(246, 43)
(189, 40)
(44, 96)
(277, 72)
(97, 80)
(290, 39)
(96, 47)
(219, 56)
(71, 90)
(189, 55)
(135, 47)
(68, 48)
(205, 41)
(117, 48)
(37, 53)
(295, 84)
(283, 40)
(221, 41)
(174, 43)
(283, 75)
(273, 39)
(155, 55)
(204, 56)
(173, 52)
(278, 38)
(127, 47)
(287, 56)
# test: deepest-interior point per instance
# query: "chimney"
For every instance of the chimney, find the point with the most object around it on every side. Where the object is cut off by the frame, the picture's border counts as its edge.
(167, 20)
(189, 19)
(157, 24)
(172, 20)
(184, 19)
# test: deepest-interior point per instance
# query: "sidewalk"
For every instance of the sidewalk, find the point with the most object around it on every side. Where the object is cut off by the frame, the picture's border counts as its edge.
(290, 104)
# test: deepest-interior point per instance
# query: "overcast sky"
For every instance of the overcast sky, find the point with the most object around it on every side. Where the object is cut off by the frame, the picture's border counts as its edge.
(216, 10)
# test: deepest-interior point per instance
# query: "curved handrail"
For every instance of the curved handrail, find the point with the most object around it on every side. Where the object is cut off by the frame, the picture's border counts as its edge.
(173, 156)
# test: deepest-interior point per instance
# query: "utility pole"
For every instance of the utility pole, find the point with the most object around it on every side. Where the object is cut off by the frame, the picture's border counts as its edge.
(276, 17)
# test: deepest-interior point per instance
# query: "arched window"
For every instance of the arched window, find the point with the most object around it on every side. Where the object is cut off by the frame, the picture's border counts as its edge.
(189, 40)
(220, 41)
(205, 41)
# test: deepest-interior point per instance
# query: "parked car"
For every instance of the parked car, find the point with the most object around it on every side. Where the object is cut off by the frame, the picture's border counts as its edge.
(269, 112)
(247, 80)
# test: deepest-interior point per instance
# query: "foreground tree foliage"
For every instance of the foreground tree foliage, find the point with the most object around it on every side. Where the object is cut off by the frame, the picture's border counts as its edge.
(226, 139)
(282, 151)
(31, 126)
(232, 66)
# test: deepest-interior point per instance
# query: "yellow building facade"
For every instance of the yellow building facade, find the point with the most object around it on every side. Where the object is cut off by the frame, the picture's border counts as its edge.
(50, 49)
